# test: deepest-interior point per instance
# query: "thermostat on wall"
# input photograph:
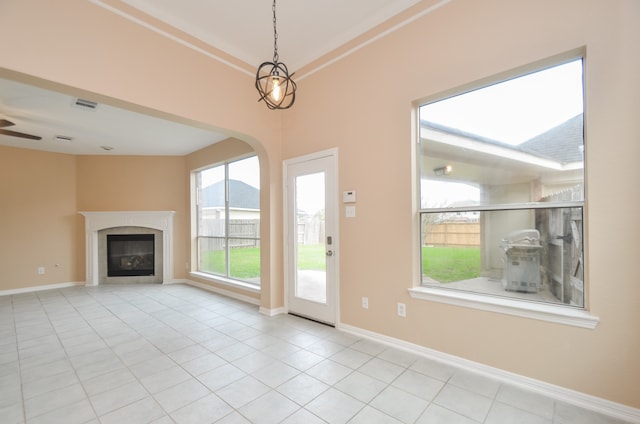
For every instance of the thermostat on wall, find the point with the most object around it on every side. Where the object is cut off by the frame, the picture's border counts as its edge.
(349, 196)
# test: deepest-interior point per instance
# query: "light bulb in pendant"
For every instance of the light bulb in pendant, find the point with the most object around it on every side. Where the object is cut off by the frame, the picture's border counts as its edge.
(276, 89)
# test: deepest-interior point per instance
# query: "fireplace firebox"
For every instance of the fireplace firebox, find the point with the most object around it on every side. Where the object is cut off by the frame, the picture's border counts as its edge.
(130, 255)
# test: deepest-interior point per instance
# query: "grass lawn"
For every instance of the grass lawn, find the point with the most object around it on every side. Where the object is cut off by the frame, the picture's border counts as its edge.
(448, 264)
(245, 262)
(443, 264)
(312, 256)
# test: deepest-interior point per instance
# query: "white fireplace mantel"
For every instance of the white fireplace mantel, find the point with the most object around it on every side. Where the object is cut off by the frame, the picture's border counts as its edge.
(96, 221)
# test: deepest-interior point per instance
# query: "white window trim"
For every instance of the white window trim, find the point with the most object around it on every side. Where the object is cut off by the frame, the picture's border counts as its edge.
(549, 312)
(540, 311)
(219, 279)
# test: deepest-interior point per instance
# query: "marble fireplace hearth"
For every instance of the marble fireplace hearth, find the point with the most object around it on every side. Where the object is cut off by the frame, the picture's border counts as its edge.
(98, 224)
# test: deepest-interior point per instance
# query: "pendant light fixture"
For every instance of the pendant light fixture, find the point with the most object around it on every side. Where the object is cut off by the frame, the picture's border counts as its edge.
(273, 81)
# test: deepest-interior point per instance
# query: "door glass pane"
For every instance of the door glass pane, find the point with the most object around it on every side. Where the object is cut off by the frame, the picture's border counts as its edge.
(311, 277)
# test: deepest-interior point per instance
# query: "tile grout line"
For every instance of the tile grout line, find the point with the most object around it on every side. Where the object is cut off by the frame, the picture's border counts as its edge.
(15, 331)
(175, 308)
(67, 357)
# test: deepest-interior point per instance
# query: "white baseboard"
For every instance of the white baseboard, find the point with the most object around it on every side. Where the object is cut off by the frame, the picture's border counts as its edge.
(264, 311)
(218, 290)
(272, 312)
(40, 288)
(569, 396)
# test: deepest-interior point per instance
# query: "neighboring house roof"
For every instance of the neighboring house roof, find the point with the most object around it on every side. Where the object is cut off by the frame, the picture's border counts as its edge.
(562, 143)
(241, 195)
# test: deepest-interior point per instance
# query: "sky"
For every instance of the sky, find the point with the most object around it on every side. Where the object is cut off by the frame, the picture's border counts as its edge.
(517, 110)
(310, 187)
(247, 170)
(310, 193)
(511, 112)
(451, 191)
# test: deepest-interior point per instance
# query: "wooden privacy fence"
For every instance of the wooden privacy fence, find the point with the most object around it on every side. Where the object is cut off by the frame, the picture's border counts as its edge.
(242, 232)
(453, 234)
(562, 235)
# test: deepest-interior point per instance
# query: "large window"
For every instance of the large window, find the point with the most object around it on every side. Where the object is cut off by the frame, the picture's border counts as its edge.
(502, 189)
(228, 220)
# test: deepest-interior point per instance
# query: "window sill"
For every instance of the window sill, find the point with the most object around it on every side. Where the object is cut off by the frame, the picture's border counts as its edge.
(539, 311)
(226, 281)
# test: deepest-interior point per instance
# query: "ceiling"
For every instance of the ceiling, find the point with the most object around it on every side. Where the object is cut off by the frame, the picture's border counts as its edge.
(307, 30)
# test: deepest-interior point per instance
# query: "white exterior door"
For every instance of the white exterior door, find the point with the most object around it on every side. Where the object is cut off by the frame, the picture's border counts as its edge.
(311, 248)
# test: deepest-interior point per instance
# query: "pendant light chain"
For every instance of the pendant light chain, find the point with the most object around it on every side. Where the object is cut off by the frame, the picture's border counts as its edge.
(276, 57)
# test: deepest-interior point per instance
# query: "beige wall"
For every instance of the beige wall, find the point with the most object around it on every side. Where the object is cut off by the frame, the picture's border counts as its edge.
(37, 218)
(363, 105)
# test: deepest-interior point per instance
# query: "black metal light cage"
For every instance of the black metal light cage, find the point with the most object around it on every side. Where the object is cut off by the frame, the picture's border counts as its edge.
(268, 72)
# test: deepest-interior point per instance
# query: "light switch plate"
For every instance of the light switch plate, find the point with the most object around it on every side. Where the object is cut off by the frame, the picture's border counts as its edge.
(350, 211)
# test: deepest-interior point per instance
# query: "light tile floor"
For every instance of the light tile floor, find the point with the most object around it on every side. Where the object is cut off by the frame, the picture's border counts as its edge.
(177, 354)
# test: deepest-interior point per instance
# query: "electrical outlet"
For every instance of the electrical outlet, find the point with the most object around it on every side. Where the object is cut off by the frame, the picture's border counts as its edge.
(40, 270)
(402, 310)
(365, 303)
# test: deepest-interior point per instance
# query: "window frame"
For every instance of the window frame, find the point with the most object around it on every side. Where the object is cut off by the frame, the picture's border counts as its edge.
(551, 312)
(226, 279)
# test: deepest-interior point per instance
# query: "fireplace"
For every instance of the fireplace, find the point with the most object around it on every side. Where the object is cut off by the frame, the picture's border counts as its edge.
(155, 225)
(130, 255)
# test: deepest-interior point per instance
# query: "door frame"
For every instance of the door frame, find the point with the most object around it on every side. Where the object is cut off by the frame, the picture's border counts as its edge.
(331, 153)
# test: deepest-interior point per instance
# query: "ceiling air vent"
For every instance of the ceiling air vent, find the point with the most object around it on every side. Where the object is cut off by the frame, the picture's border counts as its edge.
(63, 138)
(85, 104)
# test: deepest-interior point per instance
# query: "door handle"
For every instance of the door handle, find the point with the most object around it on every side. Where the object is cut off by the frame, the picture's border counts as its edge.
(329, 252)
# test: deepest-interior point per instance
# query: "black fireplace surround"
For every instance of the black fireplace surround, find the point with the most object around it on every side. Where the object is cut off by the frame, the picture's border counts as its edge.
(130, 255)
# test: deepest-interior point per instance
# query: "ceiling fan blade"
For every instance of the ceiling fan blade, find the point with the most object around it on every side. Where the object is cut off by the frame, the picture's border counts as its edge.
(19, 134)
(5, 123)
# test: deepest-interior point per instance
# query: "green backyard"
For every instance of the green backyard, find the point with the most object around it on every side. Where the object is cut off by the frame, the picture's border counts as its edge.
(443, 264)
